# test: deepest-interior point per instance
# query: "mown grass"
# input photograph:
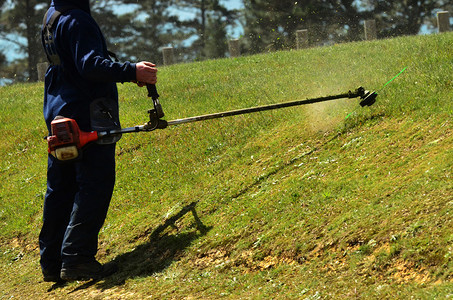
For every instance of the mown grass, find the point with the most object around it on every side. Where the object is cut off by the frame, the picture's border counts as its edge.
(298, 203)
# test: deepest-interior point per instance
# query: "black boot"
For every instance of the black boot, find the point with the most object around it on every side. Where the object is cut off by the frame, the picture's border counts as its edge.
(52, 276)
(92, 270)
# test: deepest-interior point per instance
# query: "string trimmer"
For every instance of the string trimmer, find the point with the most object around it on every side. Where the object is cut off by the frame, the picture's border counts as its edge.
(67, 140)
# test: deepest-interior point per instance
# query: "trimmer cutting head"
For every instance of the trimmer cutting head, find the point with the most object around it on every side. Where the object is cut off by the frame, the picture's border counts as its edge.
(368, 98)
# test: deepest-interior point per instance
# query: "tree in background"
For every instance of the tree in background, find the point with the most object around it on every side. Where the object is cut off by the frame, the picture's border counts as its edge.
(345, 20)
(136, 35)
(145, 30)
(23, 18)
(151, 25)
(207, 27)
(271, 25)
(216, 44)
(406, 17)
(3, 72)
(117, 30)
(197, 28)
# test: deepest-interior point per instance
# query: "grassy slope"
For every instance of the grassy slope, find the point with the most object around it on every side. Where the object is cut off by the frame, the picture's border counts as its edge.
(298, 203)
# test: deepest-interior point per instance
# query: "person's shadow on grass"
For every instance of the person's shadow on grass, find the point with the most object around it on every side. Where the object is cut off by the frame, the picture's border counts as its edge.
(155, 255)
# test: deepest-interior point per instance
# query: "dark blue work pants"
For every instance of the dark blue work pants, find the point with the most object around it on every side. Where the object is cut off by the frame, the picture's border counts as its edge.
(75, 207)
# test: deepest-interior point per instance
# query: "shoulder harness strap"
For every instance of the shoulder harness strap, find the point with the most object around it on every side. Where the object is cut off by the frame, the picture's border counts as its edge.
(47, 35)
(48, 38)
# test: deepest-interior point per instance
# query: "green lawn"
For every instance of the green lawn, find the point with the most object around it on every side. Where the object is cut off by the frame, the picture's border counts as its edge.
(321, 201)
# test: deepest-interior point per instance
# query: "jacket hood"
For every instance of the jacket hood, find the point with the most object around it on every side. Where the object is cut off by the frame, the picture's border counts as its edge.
(82, 4)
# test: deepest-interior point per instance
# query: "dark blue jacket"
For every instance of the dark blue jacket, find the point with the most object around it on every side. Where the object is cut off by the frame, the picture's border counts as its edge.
(86, 71)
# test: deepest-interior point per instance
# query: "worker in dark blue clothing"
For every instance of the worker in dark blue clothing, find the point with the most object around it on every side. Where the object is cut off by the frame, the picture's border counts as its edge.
(80, 84)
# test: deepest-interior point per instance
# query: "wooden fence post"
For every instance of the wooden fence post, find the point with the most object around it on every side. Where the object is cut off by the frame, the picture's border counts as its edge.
(42, 69)
(234, 48)
(443, 21)
(168, 55)
(302, 39)
(370, 30)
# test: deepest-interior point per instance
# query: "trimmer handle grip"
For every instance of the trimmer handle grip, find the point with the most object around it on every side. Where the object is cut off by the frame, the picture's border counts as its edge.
(152, 91)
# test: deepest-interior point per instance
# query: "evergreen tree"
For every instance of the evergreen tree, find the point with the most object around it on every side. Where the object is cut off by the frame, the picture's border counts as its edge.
(403, 17)
(216, 44)
(141, 33)
(271, 24)
(345, 19)
(114, 27)
(208, 26)
(23, 19)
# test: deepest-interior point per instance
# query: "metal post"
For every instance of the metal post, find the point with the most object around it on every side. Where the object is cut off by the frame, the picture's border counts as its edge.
(42, 69)
(370, 30)
(168, 55)
(234, 48)
(302, 39)
(443, 21)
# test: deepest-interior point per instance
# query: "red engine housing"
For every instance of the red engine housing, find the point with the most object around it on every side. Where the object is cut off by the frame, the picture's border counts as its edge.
(67, 139)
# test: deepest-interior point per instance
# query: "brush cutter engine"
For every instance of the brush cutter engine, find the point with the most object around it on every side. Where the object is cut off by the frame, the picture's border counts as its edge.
(67, 139)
